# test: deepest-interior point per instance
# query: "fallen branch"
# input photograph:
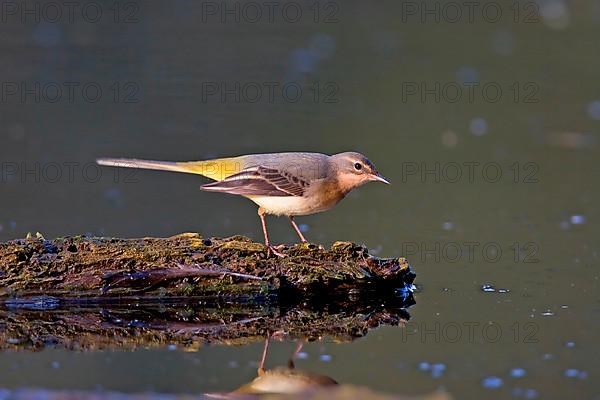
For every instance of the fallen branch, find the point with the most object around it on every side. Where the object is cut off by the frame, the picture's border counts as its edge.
(189, 265)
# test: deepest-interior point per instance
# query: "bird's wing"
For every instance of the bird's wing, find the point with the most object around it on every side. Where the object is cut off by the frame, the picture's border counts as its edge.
(260, 181)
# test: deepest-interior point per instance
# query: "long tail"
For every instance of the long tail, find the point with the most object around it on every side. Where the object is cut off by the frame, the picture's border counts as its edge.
(218, 169)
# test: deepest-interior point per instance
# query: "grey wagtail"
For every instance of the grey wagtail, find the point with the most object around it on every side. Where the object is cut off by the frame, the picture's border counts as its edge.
(287, 184)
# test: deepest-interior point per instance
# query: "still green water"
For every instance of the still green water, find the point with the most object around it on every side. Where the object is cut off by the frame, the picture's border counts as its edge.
(486, 124)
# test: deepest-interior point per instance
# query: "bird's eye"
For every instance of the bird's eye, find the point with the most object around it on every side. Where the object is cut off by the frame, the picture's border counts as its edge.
(358, 166)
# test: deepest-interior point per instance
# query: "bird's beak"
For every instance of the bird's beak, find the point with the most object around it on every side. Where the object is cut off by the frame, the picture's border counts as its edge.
(379, 178)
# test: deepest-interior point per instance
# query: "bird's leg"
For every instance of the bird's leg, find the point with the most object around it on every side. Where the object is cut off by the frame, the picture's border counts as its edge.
(261, 366)
(302, 238)
(270, 249)
(294, 354)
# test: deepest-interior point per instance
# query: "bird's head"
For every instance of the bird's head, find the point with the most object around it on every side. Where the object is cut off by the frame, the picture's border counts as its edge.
(354, 170)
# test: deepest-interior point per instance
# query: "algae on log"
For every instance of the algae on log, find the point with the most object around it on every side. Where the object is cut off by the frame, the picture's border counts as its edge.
(190, 265)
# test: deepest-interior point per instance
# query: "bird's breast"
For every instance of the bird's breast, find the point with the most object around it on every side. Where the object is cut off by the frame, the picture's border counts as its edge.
(320, 196)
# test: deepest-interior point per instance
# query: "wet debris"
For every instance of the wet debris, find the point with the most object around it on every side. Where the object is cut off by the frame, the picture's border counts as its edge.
(191, 265)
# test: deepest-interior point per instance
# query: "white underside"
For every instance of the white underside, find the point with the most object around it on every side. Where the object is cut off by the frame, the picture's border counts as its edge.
(287, 205)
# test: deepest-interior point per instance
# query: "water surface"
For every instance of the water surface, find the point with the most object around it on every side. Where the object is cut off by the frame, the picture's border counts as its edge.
(496, 190)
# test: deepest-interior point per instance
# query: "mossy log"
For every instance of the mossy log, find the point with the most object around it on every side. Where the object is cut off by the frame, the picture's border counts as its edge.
(189, 265)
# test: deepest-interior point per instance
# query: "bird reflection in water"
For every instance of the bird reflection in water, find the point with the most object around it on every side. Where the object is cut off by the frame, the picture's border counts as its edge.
(281, 380)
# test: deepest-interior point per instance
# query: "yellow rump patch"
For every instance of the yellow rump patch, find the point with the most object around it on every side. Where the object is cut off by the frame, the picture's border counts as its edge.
(218, 169)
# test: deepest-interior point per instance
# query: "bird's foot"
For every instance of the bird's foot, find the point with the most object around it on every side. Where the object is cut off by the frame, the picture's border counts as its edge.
(275, 251)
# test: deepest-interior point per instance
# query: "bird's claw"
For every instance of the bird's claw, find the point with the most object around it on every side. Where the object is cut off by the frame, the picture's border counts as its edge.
(273, 250)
